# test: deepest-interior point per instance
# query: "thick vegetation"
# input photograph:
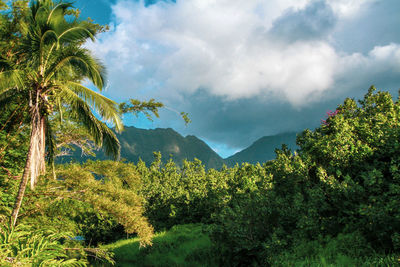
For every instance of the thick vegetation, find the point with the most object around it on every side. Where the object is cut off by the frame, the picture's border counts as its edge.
(335, 201)
(183, 245)
(343, 183)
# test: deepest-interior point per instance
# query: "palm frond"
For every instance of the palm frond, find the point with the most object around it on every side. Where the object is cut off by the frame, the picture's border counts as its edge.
(111, 143)
(39, 14)
(106, 107)
(58, 11)
(76, 34)
(100, 132)
(48, 37)
(35, 7)
(5, 64)
(11, 79)
(80, 59)
(9, 96)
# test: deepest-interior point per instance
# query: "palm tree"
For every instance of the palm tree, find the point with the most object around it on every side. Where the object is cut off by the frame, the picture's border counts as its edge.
(51, 66)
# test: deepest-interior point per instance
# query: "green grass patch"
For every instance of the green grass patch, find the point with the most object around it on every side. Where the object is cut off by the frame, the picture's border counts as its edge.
(182, 245)
(190, 245)
(339, 260)
(345, 250)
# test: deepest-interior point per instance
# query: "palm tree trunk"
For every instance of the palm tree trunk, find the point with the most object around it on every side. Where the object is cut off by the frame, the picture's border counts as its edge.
(35, 160)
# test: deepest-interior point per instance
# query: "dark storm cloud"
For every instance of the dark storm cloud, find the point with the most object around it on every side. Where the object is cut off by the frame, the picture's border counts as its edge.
(241, 122)
(315, 21)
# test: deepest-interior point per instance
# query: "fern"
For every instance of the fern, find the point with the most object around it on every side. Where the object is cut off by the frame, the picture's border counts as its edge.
(24, 246)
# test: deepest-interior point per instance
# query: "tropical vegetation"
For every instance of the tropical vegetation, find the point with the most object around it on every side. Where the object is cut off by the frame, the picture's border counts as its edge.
(332, 202)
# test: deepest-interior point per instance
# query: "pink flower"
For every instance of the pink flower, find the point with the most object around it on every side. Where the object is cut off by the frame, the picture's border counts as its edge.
(329, 114)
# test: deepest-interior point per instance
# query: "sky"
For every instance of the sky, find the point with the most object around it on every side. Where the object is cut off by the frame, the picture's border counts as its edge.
(245, 69)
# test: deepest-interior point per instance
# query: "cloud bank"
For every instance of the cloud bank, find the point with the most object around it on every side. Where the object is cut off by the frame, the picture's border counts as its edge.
(232, 63)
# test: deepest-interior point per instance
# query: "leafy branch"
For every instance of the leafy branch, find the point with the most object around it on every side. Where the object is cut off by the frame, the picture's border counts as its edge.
(149, 109)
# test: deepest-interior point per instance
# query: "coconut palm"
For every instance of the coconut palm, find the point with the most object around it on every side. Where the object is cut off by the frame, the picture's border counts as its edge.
(48, 72)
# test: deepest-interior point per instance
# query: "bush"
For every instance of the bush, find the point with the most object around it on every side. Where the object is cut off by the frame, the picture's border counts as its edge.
(175, 195)
(344, 181)
(97, 200)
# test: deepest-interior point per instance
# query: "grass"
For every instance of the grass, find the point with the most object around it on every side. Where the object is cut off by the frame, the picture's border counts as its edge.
(348, 250)
(188, 245)
(341, 260)
(182, 245)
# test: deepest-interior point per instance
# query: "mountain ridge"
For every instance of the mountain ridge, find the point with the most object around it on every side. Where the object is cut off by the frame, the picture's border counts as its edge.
(137, 143)
(263, 149)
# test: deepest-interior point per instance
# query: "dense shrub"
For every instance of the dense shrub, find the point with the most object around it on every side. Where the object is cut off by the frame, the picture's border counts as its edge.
(97, 200)
(344, 179)
(179, 195)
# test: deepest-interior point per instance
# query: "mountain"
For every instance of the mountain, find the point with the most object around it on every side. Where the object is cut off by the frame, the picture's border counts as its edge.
(141, 143)
(263, 149)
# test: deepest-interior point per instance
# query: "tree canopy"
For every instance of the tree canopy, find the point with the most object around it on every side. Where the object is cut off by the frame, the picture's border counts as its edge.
(46, 69)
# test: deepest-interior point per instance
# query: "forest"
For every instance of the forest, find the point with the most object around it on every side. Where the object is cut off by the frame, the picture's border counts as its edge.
(335, 201)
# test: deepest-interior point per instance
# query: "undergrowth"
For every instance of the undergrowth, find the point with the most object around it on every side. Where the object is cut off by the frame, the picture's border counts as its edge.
(182, 245)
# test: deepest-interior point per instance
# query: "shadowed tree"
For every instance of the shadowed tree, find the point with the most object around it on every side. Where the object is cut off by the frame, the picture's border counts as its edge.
(48, 71)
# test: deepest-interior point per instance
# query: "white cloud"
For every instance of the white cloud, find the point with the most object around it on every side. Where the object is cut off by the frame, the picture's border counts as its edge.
(223, 47)
(292, 72)
(381, 66)
(377, 61)
(386, 53)
(348, 8)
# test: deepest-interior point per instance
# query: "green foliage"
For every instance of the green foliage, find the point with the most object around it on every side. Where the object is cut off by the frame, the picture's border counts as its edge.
(180, 195)
(185, 117)
(333, 202)
(347, 250)
(47, 73)
(25, 246)
(146, 107)
(183, 245)
(3, 5)
(357, 159)
(42, 65)
(343, 180)
(98, 200)
(247, 219)
(13, 148)
(12, 22)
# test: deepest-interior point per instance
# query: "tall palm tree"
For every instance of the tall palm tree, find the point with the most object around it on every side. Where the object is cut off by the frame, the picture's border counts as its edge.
(51, 66)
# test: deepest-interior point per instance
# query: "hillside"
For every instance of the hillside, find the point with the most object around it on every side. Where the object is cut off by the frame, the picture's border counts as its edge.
(263, 149)
(141, 143)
